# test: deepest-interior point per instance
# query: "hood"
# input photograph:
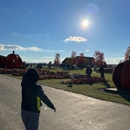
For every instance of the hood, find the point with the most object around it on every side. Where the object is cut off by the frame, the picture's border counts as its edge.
(30, 77)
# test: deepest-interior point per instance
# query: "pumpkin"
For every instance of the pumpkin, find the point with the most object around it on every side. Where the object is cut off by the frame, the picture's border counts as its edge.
(121, 75)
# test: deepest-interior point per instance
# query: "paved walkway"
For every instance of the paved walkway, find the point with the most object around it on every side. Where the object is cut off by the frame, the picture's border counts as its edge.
(74, 111)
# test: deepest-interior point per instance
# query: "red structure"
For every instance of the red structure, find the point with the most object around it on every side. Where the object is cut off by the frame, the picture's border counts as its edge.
(2, 61)
(11, 61)
(121, 75)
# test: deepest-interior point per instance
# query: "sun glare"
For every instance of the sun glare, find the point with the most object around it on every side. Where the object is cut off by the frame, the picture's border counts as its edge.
(85, 24)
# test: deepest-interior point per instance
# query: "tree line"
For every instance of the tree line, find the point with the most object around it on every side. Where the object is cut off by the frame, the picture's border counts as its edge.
(98, 58)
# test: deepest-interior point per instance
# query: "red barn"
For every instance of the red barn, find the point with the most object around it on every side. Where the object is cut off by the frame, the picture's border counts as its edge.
(11, 61)
(2, 61)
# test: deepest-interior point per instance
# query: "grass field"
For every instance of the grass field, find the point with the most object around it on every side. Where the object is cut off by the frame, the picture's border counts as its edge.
(93, 90)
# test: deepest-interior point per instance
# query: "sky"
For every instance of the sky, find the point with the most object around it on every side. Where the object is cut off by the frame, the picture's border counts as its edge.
(38, 29)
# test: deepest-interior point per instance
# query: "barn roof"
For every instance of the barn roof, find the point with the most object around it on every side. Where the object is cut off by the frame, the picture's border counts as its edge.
(77, 57)
(16, 55)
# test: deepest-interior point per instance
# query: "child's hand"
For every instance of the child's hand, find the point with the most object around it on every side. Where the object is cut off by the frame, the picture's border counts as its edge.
(54, 109)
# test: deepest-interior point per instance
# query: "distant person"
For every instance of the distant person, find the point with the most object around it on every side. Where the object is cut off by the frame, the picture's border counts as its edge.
(32, 95)
(31, 66)
(102, 71)
(89, 71)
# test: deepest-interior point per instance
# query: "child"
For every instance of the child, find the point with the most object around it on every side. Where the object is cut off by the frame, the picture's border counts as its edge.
(32, 94)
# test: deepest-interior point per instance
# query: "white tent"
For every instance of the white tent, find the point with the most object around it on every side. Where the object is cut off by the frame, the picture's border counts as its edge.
(75, 67)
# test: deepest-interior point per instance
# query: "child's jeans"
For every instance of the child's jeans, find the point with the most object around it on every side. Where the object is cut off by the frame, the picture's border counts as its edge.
(30, 120)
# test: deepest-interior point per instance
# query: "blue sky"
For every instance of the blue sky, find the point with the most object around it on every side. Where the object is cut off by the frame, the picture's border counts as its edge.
(38, 29)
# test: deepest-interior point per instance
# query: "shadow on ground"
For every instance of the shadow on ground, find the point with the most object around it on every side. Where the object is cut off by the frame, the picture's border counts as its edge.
(106, 84)
(123, 93)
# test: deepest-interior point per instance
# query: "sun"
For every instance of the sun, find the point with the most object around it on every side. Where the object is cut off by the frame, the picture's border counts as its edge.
(85, 24)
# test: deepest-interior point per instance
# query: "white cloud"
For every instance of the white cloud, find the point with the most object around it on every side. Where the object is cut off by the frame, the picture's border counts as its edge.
(114, 60)
(34, 49)
(22, 56)
(17, 47)
(53, 50)
(40, 61)
(87, 50)
(45, 60)
(75, 39)
(47, 57)
(61, 50)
